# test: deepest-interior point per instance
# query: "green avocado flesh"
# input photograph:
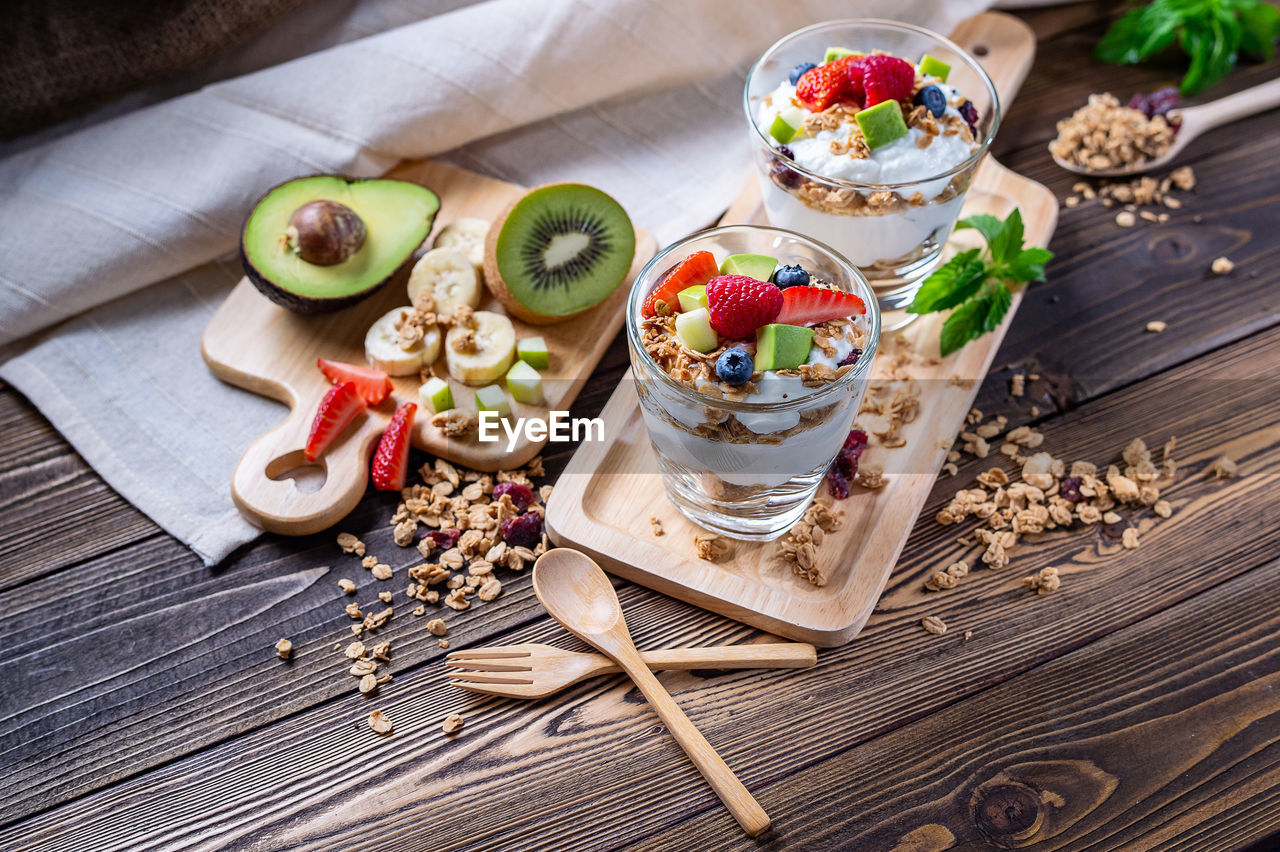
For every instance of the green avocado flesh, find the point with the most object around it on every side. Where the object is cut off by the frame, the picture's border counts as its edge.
(397, 217)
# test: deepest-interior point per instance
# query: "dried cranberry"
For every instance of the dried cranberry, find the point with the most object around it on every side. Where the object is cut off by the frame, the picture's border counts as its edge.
(1161, 101)
(1141, 103)
(521, 496)
(847, 464)
(855, 443)
(1069, 489)
(524, 531)
(782, 175)
(851, 358)
(969, 113)
(444, 539)
(837, 484)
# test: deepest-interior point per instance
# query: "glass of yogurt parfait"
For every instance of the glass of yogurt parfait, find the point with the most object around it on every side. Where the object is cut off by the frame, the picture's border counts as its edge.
(867, 134)
(751, 349)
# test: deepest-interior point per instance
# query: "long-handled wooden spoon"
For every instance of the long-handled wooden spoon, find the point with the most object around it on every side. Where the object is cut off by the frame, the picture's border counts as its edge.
(579, 595)
(1195, 121)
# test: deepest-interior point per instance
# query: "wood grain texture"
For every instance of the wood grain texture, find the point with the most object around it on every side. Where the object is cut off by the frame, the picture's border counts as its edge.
(1128, 743)
(260, 346)
(308, 771)
(313, 779)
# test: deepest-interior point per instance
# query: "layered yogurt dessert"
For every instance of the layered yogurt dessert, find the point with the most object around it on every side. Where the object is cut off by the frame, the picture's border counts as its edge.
(750, 368)
(868, 150)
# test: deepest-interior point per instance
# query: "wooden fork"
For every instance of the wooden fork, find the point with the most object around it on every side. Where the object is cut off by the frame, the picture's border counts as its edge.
(534, 670)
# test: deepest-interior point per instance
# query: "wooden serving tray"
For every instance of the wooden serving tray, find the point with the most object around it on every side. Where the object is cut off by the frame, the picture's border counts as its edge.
(603, 502)
(255, 344)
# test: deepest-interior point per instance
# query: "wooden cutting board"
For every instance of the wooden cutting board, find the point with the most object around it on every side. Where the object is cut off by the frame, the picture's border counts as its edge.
(603, 502)
(255, 344)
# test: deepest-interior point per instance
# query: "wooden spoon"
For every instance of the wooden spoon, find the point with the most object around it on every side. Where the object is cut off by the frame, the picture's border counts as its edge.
(1195, 121)
(579, 595)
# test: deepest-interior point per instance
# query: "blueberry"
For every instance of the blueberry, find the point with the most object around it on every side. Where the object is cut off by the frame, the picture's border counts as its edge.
(734, 367)
(783, 176)
(790, 276)
(799, 70)
(932, 98)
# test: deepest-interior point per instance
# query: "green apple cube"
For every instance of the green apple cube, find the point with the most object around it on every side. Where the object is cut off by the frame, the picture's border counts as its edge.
(931, 67)
(491, 398)
(692, 298)
(524, 383)
(757, 266)
(834, 53)
(533, 351)
(786, 124)
(436, 394)
(695, 331)
(782, 347)
(881, 124)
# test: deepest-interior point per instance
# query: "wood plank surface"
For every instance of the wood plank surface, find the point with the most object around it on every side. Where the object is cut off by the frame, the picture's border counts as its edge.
(1118, 745)
(256, 754)
(304, 771)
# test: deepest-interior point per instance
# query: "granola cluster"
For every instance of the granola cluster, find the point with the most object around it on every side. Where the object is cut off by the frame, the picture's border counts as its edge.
(1136, 194)
(799, 546)
(1103, 134)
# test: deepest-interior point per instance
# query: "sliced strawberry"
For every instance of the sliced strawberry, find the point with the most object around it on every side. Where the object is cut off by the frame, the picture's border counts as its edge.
(823, 86)
(887, 78)
(391, 459)
(373, 385)
(339, 407)
(698, 268)
(810, 305)
(851, 67)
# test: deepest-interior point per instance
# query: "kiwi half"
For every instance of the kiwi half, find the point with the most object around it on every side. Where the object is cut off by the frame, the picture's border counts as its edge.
(558, 251)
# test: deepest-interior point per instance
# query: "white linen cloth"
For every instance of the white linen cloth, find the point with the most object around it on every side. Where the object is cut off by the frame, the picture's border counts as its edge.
(122, 231)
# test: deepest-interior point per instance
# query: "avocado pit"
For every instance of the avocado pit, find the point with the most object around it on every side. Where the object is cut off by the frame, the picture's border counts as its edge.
(325, 233)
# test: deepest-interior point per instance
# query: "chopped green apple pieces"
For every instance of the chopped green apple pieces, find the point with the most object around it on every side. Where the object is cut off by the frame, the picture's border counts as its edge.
(695, 331)
(786, 124)
(524, 383)
(491, 398)
(881, 124)
(757, 266)
(931, 67)
(533, 351)
(834, 53)
(782, 347)
(436, 394)
(692, 298)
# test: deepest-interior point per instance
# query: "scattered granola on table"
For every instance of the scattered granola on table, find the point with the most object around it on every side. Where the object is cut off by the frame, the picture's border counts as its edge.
(1157, 326)
(380, 723)
(711, 547)
(799, 546)
(655, 525)
(284, 648)
(453, 723)
(933, 624)
(1044, 581)
(1222, 266)
(1222, 468)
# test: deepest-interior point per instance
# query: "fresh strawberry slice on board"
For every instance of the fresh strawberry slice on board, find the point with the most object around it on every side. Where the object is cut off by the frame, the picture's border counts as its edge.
(810, 305)
(373, 385)
(698, 268)
(340, 406)
(391, 459)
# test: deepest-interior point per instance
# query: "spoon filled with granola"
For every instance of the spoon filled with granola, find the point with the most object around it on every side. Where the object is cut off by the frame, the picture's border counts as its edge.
(1105, 139)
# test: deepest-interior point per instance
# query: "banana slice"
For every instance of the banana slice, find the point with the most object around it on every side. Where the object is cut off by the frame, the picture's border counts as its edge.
(448, 277)
(467, 235)
(481, 353)
(385, 350)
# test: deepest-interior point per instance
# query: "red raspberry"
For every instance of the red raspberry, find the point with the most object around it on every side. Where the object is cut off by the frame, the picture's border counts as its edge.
(822, 86)
(739, 304)
(887, 78)
(524, 531)
(520, 494)
(851, 67)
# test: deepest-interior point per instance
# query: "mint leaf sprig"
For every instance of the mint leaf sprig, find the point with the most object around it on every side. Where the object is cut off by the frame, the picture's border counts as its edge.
(1210, 32)
(977, 282)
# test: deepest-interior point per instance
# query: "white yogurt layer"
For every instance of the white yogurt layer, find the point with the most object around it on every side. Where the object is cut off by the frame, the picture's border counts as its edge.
(901, 161)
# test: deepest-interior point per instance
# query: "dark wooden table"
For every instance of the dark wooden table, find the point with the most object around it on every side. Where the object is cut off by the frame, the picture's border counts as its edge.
(142, 705)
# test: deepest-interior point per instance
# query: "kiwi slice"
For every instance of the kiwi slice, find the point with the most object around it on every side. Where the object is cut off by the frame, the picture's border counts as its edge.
(558, 251)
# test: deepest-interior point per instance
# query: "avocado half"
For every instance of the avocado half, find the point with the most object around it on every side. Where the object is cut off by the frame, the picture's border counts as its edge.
(396, 216)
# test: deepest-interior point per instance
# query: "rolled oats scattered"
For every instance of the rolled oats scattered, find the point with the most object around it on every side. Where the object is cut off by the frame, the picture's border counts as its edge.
(1103, 134)
(1157, 326)
(1017, 385)
(284, 648)
(453, 723)
(490, 590)
(422, 610)
(655, 525)
(382, 651)
(1223, 468)
(443, 643)
(369, 561)
(1044, 581)
(368, 684)
(350, 544)
(354, 651)
(385, 597)
(380, 723)
(1130, 538)
(1162, 508)
(347, 586)
(1125, 219)
(711, 547)
(933, 624)
(437, 627)
(382, 571)
(1222, 266)
(1111, 518)
(362, 667)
